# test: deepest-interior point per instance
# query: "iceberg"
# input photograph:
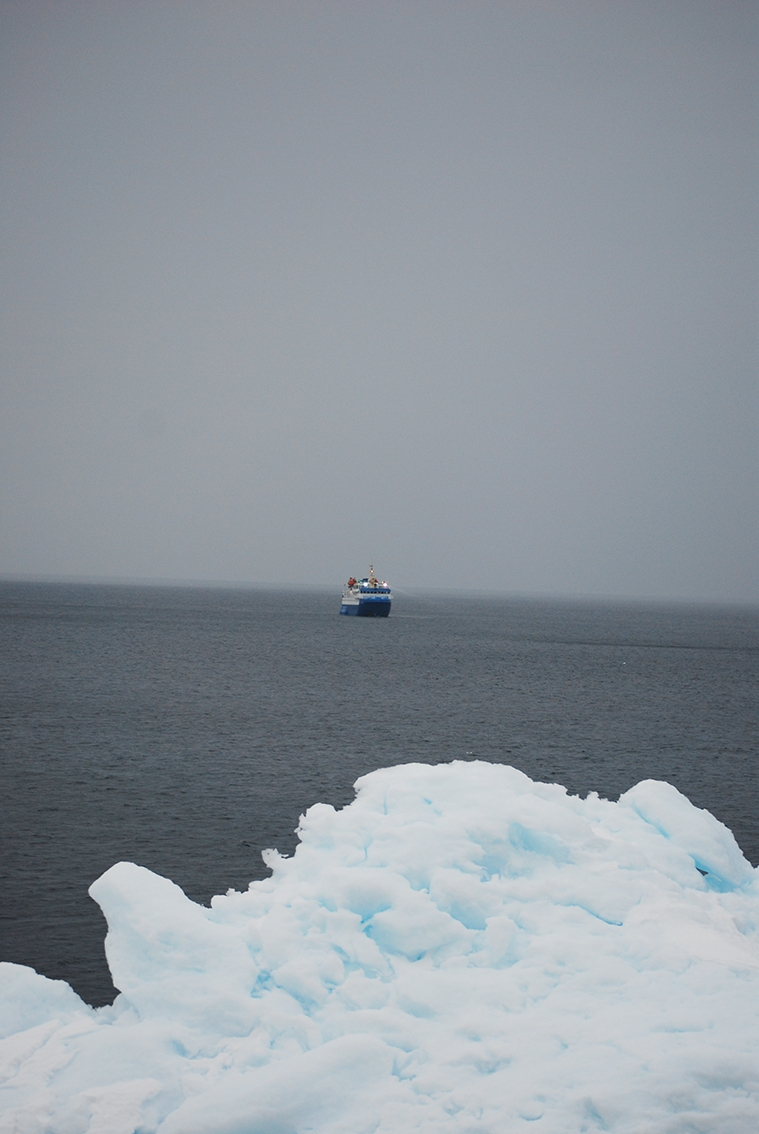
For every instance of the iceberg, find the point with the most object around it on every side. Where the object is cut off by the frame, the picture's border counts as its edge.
(461, 949)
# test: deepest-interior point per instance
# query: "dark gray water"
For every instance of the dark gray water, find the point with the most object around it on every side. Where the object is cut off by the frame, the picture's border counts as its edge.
(187, 729)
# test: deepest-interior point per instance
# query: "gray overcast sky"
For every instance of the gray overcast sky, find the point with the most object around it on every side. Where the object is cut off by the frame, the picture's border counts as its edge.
(463, 289)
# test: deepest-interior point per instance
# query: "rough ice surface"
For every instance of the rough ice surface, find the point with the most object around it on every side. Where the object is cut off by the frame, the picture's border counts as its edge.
(459, 950)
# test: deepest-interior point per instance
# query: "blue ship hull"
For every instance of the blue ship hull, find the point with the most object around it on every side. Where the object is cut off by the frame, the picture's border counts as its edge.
(368, 608)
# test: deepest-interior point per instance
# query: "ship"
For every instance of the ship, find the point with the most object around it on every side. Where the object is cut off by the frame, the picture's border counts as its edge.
(368, 598)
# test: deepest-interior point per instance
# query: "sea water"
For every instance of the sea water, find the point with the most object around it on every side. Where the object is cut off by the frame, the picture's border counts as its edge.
(187, 729)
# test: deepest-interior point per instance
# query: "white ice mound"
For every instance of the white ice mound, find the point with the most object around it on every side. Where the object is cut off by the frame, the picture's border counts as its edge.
(701, 837)
(461, 949)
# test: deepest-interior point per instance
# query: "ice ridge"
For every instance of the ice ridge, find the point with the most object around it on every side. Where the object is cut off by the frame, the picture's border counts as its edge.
(461, 949)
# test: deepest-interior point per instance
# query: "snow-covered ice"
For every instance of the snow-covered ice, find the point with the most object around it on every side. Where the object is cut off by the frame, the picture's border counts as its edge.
(460, 949)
